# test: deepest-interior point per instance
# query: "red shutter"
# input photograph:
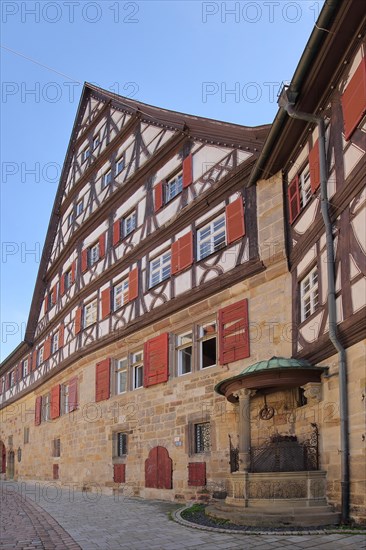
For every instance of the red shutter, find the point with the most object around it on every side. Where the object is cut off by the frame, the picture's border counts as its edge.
(119, 473)
(158, 196)
(156, 360)
(54, 294)
(55, 402)
(182, 253)
(102, 246)
(116, 232)
(234, 332)
(84, 260)
(47, 349)
(294, 199)
(20, 371)
(354, 100)
(78, 319)
(187, 171)
(314, 166)
(62, 284)
(106, 302)
(38, 411)
(235, 227)
(73, 270)
(133, 284)
(45, 304)
(73, 394)
(61, 336)
(34, 360)
(102, 380)
(197, 474)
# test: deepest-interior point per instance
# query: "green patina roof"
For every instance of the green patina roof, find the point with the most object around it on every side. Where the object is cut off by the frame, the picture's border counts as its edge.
(275, 363)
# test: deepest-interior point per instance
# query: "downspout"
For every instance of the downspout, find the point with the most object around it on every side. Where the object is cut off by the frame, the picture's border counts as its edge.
(287, 105)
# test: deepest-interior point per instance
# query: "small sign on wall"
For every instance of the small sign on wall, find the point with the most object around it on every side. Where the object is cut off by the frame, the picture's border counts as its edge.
(178, 441)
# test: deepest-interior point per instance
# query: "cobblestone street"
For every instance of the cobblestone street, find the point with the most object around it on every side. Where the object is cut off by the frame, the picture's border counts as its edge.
(51, 517)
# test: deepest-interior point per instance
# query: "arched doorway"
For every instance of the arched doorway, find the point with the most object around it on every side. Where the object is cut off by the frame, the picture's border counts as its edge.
(158, 469)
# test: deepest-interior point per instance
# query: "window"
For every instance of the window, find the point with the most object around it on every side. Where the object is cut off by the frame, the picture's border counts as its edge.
(160, 268)
(106, 179)
(120, 165)
(12, 378)
(207, 344)
(202, 437)
(185, 352)
(309, 294)
(54, 342)
(56, 448)
(90, 314)
(120, 294)
(10, 441)
(70, 219)
(50, 300)
(40, 356)
(68, 279)
(211, 237)
(137, 370)
(122, 375)
(94, 254)
(25, 368)
(173, 187)
(26, 435)
(85, 154)
(96, 141)
(305, 186)
(79, 207)
(129, 224)
(46, 407)
(65, 398)
(121, 444)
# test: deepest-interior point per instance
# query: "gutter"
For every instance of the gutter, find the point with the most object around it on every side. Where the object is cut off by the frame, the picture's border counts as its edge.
(311, 51)
(286, 102)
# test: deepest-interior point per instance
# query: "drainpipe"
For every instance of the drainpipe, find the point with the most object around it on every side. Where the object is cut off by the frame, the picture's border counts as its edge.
(287, 103)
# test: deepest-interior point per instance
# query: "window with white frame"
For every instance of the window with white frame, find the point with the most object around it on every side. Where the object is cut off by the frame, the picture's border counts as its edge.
(137, 366)
(46, 407)
(85, 154)
(54, 342)
(173, 187)
(25, 368)
(160, 268)
(90, 313)
(96, 141)
(70, 219)
(106, 179)
(65, 398)
(94, 254)
(305, 186)
(185, 353)
(68, 279)
(122, 366)
(129, 224)
(309, 294)
(211, 237)
(207, 337)
(120, 294)
(12, 378)
(79, 207)
(40, 356)
(120, 165)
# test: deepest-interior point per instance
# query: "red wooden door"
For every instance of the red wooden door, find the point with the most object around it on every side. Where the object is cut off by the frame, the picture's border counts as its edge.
(158, 469)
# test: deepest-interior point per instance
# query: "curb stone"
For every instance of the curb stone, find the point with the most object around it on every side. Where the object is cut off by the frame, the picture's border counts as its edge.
(177, 517)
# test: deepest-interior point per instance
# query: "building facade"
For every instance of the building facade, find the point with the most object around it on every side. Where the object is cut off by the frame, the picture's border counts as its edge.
(180, 252)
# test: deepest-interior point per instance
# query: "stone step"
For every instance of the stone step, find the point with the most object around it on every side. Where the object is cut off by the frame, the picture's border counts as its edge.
(318, 516)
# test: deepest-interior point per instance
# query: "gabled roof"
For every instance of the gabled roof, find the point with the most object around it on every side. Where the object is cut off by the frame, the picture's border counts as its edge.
(195, 127)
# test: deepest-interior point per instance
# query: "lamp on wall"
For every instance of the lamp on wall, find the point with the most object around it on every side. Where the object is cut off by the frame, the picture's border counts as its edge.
(19, 453)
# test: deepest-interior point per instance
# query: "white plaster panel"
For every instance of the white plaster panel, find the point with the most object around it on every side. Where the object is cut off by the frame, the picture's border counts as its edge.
(183, 282)
(354, 270)
(243, 156)
(207, 157)
(358, 292)
(356, 204)
(307, 218)
(359, 227)
(307, 259)
(298, 162)
(352, 156)
(210, 213)
(310, 331)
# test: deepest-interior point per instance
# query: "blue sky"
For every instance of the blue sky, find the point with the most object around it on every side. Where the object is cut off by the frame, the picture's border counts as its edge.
(223, 60)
